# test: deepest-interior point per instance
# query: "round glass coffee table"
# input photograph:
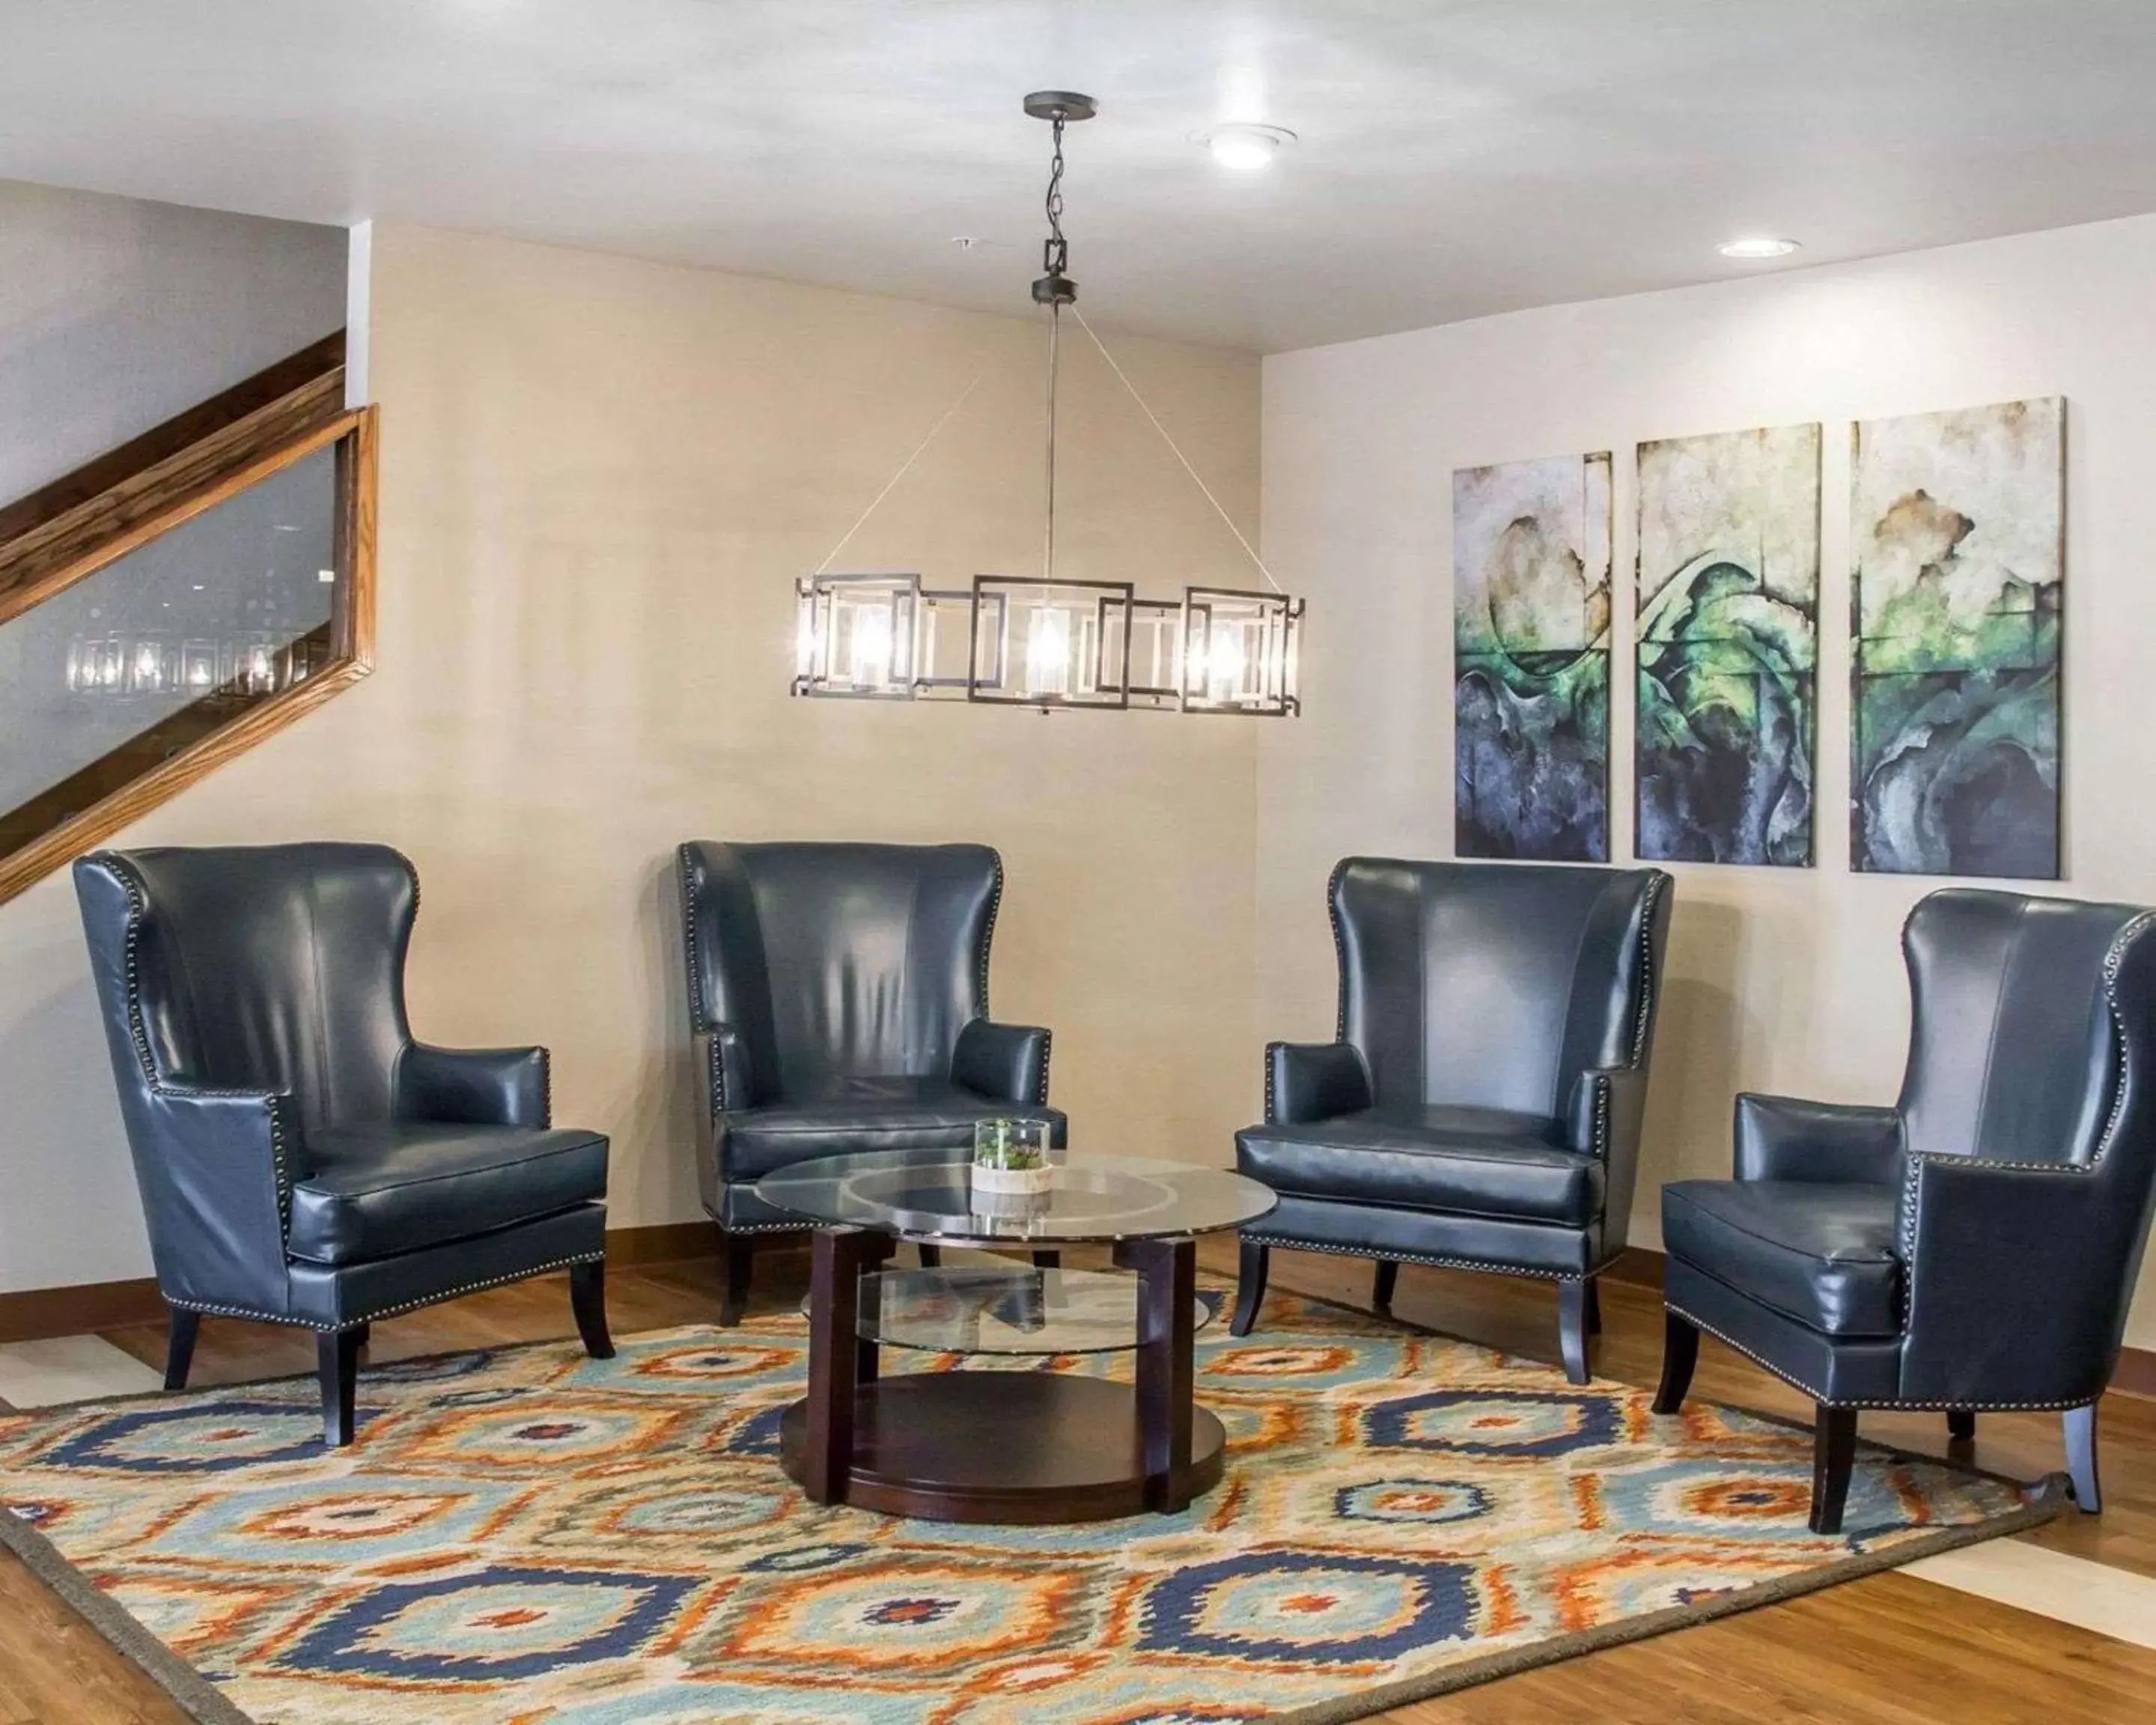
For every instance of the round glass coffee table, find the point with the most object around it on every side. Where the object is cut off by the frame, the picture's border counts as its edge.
(1014, 1445)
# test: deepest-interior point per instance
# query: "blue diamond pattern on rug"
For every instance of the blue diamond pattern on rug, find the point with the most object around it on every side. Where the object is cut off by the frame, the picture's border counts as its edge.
(532, 1538)
(1307, 1607)
(496, 1625)
(217, 1439)
(1426, 1502)
(1484, 1422)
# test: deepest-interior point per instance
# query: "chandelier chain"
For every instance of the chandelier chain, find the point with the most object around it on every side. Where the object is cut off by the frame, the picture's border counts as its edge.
(1056, 253)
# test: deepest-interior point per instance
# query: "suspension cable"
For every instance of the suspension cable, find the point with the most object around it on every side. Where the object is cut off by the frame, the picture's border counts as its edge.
(1249, 550)
(904, 466)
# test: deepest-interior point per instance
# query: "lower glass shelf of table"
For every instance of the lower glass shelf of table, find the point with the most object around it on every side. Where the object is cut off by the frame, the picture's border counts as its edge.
(1005, 1309)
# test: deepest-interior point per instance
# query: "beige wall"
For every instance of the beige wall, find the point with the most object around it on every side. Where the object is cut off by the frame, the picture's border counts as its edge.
(1785, 980)
(599, 480)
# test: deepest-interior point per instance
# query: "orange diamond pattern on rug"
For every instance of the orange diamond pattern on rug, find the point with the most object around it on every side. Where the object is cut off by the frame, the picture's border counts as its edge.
(531, 1538)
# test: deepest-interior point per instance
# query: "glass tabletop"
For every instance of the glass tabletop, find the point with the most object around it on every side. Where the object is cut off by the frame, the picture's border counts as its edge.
(1006, 1309)
(929, 1194)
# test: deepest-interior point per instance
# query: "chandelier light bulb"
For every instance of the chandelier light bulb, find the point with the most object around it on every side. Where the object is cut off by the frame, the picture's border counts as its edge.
(1048, 652)
(871, 648)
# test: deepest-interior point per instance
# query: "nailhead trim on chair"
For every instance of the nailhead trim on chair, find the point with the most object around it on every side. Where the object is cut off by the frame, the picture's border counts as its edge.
(1654, 881)
(1339, 945)
(1897, 1406)
(689, 939)
(803, 1226)
(988, 932)
(470, 1287)
(1487, 1264)
(1047, 1050)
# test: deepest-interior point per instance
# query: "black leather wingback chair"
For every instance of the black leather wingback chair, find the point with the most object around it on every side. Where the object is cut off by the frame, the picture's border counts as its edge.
(301, 1159)
(1973, 1247)
(1481, 1106)
(839, 998)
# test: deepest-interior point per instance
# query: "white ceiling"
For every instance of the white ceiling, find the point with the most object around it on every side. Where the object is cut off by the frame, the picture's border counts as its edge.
(1457, 157)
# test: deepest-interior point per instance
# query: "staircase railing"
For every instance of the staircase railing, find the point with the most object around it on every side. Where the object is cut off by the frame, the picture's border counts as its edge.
(168, 605)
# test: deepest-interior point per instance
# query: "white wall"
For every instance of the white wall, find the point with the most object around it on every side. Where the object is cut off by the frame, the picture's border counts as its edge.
(1779, 980)
(117, 314)
(599, 480)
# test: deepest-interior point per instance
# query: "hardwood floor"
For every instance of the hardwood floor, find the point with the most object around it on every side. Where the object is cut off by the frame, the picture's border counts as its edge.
(1887, 1651)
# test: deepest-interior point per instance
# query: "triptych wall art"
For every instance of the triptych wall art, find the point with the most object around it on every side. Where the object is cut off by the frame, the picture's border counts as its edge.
(1728, 642)
(1958, 522)
(1956, 530)
(1530, 659)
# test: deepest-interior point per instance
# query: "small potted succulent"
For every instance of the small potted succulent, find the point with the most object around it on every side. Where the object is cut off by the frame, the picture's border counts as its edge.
(1010, 1158)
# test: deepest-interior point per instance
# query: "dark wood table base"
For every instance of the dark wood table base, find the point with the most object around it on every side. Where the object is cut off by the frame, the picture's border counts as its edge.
(999, 1446)
(1005, 1446)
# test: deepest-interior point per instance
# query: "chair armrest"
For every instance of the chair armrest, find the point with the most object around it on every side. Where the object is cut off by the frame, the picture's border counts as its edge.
(2017, 1276)
(1007, 1063)
(722, 1056)
(216, 1187)
(1608, 1105)
(1308, 1082)
(474, 1086)
(1788, 1138)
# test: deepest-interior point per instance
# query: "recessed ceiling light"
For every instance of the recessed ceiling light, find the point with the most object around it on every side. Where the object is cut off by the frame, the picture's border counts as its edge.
(1246, 147)
(1753, 250)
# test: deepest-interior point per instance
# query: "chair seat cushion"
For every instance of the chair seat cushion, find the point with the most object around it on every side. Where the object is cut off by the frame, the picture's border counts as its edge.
(374, 1191)
(1481, 1162)
(857, 1114)
(1821, 1253)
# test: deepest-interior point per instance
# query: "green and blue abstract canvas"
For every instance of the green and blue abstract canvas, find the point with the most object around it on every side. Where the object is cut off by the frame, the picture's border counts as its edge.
(1530, 659)
(1728, 646)
(1958, 522)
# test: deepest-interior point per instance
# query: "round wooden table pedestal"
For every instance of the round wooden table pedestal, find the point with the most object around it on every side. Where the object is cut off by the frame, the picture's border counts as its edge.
(1005, 1446)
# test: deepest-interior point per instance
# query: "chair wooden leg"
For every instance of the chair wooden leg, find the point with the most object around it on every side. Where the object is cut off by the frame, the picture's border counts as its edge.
(739, 1252)
(180, 1347)
(1680, 1355)
(2081, 1458)
(588, 1299)
(1250, 1285)
(1571, 1328)
(1388, 1279)
(1833, 1455)
(336, 1358)
(931, 1257)
(1594, 1305)
(1961, 1425)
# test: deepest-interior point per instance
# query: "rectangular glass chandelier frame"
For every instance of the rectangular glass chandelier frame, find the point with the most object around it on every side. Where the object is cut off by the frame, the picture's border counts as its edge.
(1242, 652)
(1016, 641)
(1050, 643)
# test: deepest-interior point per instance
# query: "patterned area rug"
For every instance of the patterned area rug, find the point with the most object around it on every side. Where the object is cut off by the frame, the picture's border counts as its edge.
(526, 1536)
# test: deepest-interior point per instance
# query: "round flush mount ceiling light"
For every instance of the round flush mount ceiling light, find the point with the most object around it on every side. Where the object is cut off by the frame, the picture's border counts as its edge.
(1753, 250)
(1246, 147)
